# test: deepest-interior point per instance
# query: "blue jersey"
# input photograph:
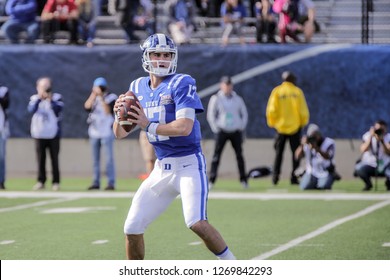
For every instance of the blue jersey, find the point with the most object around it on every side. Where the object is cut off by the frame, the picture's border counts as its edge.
(176, 92)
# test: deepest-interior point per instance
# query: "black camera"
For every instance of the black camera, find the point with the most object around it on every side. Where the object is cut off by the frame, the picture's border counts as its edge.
(311, 140)
(379, 131)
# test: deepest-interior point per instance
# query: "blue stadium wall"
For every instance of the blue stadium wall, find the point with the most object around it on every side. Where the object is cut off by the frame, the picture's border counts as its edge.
(346, 86)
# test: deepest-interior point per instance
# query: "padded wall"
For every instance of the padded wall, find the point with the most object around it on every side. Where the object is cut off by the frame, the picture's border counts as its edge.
(346, 88)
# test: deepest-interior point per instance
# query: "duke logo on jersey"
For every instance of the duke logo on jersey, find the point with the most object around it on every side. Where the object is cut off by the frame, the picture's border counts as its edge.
(174, 98)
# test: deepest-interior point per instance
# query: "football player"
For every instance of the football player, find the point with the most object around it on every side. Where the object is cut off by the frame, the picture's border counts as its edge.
(168, 104)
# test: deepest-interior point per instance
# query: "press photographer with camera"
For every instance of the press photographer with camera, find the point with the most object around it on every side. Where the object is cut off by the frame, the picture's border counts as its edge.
(319, 155)
(375, 158)
(46, 109)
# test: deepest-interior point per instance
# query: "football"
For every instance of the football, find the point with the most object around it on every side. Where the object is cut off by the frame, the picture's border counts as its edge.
(123, 111)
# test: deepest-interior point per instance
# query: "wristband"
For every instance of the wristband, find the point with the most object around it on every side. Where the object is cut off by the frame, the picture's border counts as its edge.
(116, 118)
(147, 127)
(152, 128)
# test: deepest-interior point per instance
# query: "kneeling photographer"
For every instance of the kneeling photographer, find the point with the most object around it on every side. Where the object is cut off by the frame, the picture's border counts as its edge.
(375, 158)
(319, 152)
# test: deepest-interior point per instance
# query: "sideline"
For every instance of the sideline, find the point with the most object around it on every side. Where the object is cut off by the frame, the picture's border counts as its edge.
(288, 59)
(321, 230)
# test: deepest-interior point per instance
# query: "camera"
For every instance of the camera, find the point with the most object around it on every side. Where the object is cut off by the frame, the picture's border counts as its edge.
(311, 140)
(379, 131)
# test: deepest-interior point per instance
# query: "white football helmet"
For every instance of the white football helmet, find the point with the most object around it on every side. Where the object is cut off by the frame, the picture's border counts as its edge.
(159, 43)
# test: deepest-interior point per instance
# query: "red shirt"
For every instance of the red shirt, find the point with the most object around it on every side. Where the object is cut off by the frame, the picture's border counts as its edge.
(63, 9)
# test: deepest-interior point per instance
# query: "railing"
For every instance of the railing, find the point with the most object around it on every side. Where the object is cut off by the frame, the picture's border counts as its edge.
(367, 9)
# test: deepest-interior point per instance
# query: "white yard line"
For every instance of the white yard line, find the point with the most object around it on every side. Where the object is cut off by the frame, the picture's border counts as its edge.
(321, 230)
(36, 204)
(212, 195)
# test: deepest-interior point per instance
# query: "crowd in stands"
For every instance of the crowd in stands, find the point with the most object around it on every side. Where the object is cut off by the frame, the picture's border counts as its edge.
(276, 21)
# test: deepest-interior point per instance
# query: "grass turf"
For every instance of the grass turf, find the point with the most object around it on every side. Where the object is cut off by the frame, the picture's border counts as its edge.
(250, 227)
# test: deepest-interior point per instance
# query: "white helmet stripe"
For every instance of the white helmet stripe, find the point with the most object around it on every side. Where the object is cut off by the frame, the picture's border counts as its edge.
(159, 43)
(161, 39)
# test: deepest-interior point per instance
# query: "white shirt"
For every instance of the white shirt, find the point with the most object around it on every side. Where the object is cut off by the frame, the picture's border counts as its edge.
(316, 165)
(227, 113)
(100, 122)
(369, 157)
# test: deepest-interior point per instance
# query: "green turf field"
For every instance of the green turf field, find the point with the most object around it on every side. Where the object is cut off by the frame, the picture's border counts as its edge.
(262, 222)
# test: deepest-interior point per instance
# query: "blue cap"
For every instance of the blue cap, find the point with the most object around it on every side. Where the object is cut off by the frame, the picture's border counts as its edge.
(100, 82)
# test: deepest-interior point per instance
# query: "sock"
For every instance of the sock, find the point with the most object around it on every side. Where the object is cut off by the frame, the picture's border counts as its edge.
(226, 254)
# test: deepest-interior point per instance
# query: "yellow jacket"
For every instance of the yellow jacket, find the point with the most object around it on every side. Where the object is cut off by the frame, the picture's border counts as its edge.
(287, 110)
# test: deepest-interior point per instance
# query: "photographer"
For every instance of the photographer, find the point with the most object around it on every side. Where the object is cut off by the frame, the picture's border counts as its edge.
(46, 108)
(319, 152)
(99, 105)
(375, 158)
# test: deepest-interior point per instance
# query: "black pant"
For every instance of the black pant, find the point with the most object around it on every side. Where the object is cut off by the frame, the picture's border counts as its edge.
(280, 142)
(366, 172)
(54, 149)
(235, 139)
(267, 28)
(50, 27)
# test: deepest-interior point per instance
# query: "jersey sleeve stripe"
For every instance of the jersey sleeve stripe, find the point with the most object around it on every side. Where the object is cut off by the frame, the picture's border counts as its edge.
(134, 86)
(173, 80)
(186, 113)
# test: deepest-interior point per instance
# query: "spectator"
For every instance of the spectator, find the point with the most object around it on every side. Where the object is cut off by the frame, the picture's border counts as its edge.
(287, 13)
(4, 132)
(233, 13)
(22, 18)
(265, 22)
(203, 7)
(214, 7)
(40, 5)
(319, 152)
(287, 113)
(100, 105)
(181, 24)
(59, 15)
(87, 18)
(227, 116)
(46, 108)
(375, 158)
(2, 8)
(102, 7)
(306, 19)
(148, 154)
(296, 16)
(134, 15)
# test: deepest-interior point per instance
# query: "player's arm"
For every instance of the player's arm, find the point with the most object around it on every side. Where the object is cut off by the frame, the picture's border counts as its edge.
(179, 127)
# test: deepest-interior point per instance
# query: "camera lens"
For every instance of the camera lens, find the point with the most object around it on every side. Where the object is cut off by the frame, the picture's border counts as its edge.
(378, 131)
